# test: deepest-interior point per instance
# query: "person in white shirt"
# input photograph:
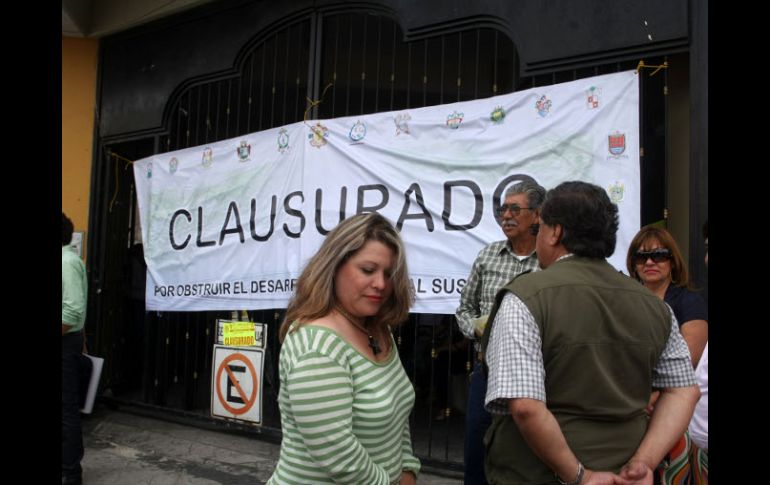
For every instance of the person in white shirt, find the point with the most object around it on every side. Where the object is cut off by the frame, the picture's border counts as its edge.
(699, 424)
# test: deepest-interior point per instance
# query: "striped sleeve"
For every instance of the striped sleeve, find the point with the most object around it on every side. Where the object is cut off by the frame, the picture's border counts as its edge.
(320, 394)
(409, 462)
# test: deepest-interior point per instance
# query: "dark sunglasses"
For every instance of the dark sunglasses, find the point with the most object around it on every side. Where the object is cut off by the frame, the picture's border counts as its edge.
(515, 209)
(657, 255)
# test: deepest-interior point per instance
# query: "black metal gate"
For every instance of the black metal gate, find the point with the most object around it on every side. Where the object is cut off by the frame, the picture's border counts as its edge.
(355, 62)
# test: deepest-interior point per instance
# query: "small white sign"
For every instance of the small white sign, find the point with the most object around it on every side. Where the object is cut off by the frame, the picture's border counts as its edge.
(236, 381)
(77, 243)
(93, 383)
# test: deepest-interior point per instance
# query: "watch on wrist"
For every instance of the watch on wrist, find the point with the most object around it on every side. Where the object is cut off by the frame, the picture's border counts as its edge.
(578, 479)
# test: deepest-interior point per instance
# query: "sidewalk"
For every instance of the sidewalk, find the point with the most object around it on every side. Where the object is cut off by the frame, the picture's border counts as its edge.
(127, 449)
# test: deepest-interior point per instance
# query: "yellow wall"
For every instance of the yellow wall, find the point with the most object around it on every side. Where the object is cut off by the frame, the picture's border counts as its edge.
(78, 94)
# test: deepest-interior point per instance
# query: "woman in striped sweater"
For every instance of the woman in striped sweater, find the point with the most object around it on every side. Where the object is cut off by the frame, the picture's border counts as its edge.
(344, 398)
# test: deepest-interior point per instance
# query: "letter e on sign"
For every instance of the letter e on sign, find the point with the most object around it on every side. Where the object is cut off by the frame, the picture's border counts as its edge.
(236, 384)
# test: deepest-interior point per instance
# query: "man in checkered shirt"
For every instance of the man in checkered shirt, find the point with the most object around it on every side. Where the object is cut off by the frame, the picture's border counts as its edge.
(495, 265)
(573, 352)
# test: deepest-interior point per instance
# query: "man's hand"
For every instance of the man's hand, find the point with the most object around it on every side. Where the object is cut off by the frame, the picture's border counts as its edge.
(651, 404)
(602, 478)
(479, 324)
(637, 473)
(606, 478)
(408, 478)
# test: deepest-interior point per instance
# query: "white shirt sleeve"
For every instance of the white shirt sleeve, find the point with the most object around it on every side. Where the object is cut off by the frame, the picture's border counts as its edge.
(699, 425)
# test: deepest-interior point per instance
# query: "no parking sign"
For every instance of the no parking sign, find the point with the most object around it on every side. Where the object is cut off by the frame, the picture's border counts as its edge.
(237, 383)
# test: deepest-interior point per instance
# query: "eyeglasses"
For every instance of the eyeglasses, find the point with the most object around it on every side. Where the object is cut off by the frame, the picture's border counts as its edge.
(515, 209)
(657, 255)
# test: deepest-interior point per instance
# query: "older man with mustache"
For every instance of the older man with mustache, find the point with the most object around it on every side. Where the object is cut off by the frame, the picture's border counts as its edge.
(496, 265)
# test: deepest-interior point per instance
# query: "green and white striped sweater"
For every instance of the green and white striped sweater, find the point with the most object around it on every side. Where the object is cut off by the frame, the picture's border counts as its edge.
(345, 418)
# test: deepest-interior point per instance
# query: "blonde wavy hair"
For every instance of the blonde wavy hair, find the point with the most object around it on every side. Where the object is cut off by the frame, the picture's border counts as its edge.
(315, 296)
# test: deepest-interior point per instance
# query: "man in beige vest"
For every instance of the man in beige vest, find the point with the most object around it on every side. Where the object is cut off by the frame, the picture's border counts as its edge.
(572, 353)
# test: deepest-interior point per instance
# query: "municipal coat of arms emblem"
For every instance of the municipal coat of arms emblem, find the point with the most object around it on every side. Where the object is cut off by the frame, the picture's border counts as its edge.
(402, 125)
(208, 157)
(453, 120)
(357, 132)
(498, 115)
(543, 106)
(244, 150)
(617, 143)
(318, 135)
(592, 97)
(283, 140)
(616, 192)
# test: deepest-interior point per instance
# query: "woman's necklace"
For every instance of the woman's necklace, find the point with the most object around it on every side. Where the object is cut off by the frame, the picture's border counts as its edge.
(372, 342)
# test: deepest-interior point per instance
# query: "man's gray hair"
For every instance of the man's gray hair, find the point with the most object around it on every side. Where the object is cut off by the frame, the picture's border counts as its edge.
(535, 193)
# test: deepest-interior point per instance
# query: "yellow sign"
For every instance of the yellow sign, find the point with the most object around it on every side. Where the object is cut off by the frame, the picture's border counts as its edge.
(239, 333)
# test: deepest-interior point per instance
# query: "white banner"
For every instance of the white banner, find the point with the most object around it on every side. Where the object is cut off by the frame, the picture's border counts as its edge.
(229, 225)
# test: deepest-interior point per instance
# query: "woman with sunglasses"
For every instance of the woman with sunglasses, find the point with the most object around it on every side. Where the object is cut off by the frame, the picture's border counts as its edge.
(654, 260)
